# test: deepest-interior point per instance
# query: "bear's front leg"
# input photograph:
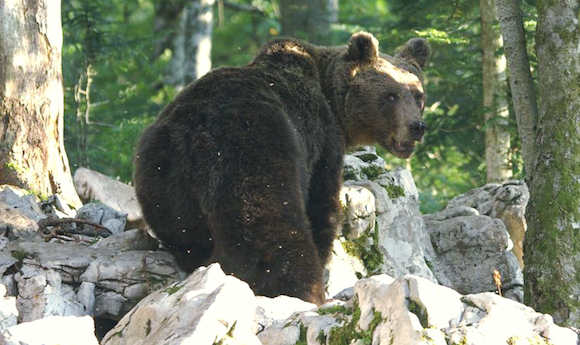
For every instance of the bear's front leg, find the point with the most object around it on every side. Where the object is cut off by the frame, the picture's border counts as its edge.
(323, 206)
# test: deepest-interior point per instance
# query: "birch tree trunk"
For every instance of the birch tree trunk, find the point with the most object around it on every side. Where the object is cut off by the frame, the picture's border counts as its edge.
(497, 138)
(521, 82)
(308, 19)
(192, 44)
(552, 245)
(32, 153)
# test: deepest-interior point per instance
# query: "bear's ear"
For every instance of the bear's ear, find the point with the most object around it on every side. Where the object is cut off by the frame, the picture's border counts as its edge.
(416, 49)
(363, 47)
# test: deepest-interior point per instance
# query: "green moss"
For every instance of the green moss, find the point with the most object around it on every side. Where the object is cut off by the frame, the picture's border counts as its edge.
(321, 338)
(19, 254)
(425, 337)
(334, 310)
(172, 289)
(40, 195)
(148, 327)
(346, 334)
(14, 166)
(428, 263)
(372, 171)
(302, 337)
(346, 230)
(394, 191)
(366, 248)
(231, 331)
(377, 319)
(155, 283)
(420, 311)
(553, 235)
(348, 174)
(515, 340)
(368, 157)
(229, 334)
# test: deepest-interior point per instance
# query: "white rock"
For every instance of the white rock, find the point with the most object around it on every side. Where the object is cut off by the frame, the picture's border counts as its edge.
(306, 327)
(86, 296)
(205, 308)
(399, 325)
(505, 201)
(280, 334)
(442, 307)
(524, 323)
(272, 310)
(343, 269)
(6, 259)
(135, 239)
(478, 242)
(16, 224)
(105, 215)
(42, 294)
(121, 279)
(92, 186)
(359, 205)
(20, 199)
(411, 310)
(60, 330)
(8, 311)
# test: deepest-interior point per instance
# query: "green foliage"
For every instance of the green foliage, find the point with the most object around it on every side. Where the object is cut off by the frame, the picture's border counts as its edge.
(148, 327)
(115, 39)
(372, 171)
(19, 254)
(334, 310)
(366, 247)
(302, 337)
(172, 289)
(345, 334)
(394, 191)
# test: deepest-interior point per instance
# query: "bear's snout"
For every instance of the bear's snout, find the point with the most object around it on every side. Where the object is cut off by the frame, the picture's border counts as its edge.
(417, 130)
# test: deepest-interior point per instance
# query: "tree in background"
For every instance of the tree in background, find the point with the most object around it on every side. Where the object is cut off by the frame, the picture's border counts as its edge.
(495, 106)
(187, 26)
(308, 19)
(552, 244)
(32, 154)
(521, 80)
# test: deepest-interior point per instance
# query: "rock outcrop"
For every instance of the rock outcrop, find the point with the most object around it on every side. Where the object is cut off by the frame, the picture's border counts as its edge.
(395, 276)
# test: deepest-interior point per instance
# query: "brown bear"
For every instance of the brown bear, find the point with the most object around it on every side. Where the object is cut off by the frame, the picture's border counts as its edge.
(244, 166)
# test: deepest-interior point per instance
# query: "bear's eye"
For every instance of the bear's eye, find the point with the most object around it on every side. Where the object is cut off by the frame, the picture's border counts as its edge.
(419, 98)
(391, 97)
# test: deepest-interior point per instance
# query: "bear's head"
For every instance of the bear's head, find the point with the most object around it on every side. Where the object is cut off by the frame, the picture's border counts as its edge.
(385, 98)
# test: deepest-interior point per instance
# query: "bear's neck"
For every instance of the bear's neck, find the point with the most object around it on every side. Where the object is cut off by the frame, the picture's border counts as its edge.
(334, 79)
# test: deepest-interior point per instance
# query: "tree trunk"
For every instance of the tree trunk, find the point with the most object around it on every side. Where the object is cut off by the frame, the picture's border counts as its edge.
(308, 19)
(521, 82)
(497, 138)
(552, 245)
(32, 154)
(167, 13)
(192, 44)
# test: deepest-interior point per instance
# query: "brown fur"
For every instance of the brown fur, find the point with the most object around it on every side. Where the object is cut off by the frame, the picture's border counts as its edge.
(243, 167)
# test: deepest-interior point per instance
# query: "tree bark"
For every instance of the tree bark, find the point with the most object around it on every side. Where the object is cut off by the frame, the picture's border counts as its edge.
(192, 44)
(497, 138)
(552, 245)
(520, 77)
(308, 19)
(32, 153)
